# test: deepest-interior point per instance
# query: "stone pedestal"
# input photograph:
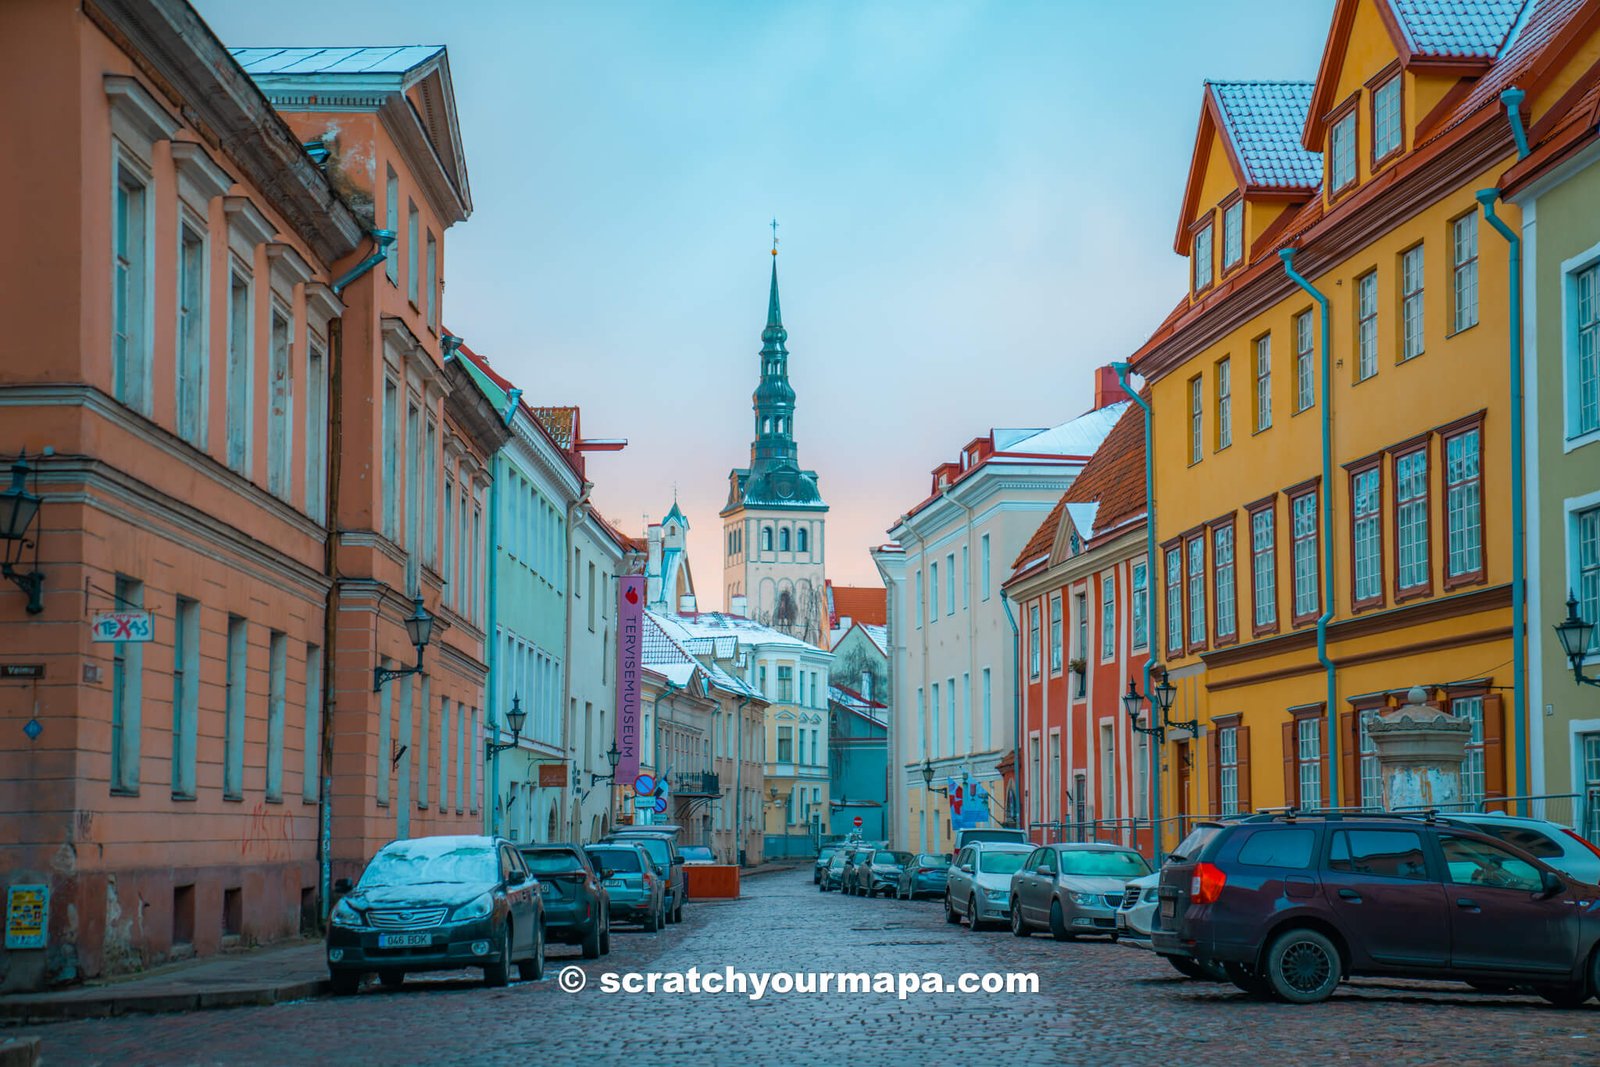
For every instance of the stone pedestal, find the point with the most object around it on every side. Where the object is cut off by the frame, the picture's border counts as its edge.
(1420, 750)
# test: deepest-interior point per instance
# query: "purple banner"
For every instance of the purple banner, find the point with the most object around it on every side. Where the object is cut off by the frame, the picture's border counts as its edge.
(630, 642)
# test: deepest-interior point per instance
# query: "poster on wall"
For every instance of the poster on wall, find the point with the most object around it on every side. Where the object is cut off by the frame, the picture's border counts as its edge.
(630, 641)
(27, 908)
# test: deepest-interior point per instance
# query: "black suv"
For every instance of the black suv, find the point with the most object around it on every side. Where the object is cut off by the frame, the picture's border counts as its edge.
(1290, 904)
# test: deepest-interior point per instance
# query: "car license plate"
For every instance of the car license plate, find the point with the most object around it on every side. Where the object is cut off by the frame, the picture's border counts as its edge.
(403, 940)
(1169, 908)
(615, 883)
(546, 889)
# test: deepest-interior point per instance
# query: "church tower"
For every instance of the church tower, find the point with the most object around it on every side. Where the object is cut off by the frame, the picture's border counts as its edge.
(774, 543)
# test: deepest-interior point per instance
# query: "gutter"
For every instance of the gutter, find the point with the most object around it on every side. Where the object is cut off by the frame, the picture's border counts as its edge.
(1121, 370)
(1519, 653)
(1326, 546)
(381, 240)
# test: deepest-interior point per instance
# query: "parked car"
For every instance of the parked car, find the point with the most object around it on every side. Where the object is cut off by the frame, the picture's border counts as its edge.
(989, 834)
(668, 862)
(833, 875)
(1557, 845)
(1138, 907)
(979, 886)
(1290, 905)
(925, 875)
(878, 872)
(1072, 889)
(851, 853)
(824, 854)
(577, 908)
(636, 892)
(696, 855)
(437, 904)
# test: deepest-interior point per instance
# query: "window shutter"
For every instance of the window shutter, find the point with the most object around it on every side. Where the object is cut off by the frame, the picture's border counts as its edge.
(1327, 758)
(1242, 746)
(1349, 765)
(1214, 770)
(1494, 746)
(1291, 777)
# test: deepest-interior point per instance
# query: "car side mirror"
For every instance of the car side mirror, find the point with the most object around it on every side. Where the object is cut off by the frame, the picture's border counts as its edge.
(1042, 869)
(342, 885)
(677, 861)
(966, 867)
(516, 878)
(1549, 884)
(660, 869)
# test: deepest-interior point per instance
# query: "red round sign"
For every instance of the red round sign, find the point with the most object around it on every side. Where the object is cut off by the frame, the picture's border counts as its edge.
(856, 820)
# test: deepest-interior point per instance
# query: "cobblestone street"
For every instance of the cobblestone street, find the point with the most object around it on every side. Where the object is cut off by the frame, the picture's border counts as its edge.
(1098, 1003)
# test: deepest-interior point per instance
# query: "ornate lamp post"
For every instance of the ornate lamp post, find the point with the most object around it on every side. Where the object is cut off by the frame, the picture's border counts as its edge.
(1575, 634)
(927, 780)
(18, 510)
(419, 628)
(515, 718)
(1161, 720)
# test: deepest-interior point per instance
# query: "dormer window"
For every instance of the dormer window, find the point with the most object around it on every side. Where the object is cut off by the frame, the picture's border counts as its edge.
(1386, 119)
(1342, 153)
(1232, 234)
(1202, 258)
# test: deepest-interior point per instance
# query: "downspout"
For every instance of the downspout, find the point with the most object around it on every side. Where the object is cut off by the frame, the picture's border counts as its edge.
(381, 240)
(738, 783)
(1121, 370)
(1016, 701)
(1519, 656)
(1326, 546)
(330, 629)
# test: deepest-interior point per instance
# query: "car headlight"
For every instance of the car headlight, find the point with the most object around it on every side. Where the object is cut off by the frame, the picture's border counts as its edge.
(1085, 899)
(994, 892)
(480, 908)
(345, 915)
(1151, 895)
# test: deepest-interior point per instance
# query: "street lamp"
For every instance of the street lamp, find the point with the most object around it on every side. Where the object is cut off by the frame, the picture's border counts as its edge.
(1160, 714)
(515, 717)
(1575, 633)
(613, 757)
(18, 510)
(419, 628)
(927, 780)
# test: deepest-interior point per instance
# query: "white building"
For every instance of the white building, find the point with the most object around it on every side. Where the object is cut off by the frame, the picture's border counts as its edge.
(951, 640)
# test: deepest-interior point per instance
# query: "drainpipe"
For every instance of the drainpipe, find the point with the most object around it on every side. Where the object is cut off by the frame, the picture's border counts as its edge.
(738, 783)
(1016, 700)
(1512, 99)
(1519, 655)
(330, 630)
(493, 638)
(1327, 527)
(1120, 369)
(381, 240)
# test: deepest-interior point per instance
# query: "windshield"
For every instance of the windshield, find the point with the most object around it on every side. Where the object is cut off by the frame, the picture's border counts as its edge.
(618, 859)
(1104, 864)
(892, 859)
(695, 852)
(837, 860)
(1191, 847)
(423, 863)
(656, 846)
(552, 861)
(929, 860)
(972, 836)
(1001, 862)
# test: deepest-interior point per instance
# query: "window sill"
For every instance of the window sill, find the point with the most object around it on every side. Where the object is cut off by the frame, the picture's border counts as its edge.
(184, 797)
(1589, 437)
(1401, 596)
(124, 791)
(1461, 581)
(1301, 411)
(273, 800)
(1404, 359)
(1458, 333)
(233, 798)
(1259, 430)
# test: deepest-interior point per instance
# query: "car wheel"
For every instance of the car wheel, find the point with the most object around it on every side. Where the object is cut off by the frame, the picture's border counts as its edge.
(605, 937)
(1058, 923)
(1019, 925)
(652, 921)
(1303, 967)
(666, 917)
(344, 983)
(498, 973)
(1246, 978)
(591, 942)
(677, 912)
(972, 915)
(392, 979)
(951, 916)
(531, 970)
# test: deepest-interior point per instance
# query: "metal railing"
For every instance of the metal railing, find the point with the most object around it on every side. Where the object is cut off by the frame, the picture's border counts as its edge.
(696, 783)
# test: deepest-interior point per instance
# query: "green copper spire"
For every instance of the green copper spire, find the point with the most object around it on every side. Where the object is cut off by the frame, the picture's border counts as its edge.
(774, 316)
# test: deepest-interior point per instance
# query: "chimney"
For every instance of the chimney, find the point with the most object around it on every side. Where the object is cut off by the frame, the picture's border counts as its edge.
(739, 605)
(686, 604)
(1107, 390)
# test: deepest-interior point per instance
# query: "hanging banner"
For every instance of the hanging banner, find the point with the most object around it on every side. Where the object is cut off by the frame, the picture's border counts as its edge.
(134, 626)
(630, 644)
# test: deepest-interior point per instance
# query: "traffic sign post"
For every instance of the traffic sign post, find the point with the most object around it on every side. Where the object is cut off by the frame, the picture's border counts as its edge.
(856, 822)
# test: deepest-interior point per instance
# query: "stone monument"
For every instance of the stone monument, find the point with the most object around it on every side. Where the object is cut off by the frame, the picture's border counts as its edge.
(1420, 751)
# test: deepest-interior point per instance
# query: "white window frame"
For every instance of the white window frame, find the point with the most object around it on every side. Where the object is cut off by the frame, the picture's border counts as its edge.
(1387, 124)
(1233, 234)
(1342, 168)
(1413, 304)
(1108, 616)
(1204, 254)
(1464, 271)
(1224, 403)
(1305, 383)
(1580, 364)
(1263, 351)
(1367, 325)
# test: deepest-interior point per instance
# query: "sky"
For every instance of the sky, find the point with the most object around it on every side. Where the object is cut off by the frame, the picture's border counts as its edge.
(976, 207)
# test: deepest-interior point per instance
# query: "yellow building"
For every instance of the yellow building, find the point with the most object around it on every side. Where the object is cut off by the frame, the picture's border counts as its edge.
(1333, 454)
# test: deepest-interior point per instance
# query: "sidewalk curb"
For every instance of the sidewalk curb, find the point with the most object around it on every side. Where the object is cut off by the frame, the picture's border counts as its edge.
(15, 1013)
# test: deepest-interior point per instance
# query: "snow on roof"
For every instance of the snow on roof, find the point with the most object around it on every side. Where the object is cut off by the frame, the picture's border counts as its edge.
(748, 631)
(1075, 437)
(1082, 515)
(1263, 121)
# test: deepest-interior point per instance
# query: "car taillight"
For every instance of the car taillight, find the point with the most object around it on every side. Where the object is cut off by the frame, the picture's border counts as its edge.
(1206, 884)
(1580, 839)
(924, 870)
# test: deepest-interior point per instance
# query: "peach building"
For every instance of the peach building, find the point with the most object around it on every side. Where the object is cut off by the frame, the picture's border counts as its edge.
(181, 362)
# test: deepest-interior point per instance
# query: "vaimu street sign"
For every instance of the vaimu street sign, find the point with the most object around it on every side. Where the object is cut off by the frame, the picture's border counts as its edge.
(137, 626)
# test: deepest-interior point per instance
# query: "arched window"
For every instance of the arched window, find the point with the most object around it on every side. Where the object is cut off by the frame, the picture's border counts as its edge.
(783, 539)
(801, 539)
(766, 425)
(766, 539)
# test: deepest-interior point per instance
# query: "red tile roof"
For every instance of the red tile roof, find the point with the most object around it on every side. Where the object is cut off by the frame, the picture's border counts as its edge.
(864, 604)
(560, 423)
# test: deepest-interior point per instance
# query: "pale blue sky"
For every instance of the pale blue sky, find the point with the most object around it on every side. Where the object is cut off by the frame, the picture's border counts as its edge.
(976, 205)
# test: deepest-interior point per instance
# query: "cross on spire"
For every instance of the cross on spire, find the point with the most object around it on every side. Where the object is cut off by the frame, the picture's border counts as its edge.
(774, 236)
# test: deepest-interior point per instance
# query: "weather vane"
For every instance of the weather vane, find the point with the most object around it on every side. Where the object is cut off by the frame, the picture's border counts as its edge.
(774, 236)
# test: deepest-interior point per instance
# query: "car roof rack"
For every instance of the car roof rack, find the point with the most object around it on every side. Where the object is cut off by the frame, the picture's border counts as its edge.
(1428, 815)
